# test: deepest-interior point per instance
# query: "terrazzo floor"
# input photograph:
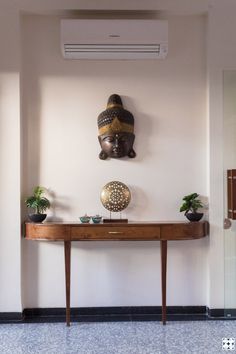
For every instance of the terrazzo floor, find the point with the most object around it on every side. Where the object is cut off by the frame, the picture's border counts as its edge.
(200, 337)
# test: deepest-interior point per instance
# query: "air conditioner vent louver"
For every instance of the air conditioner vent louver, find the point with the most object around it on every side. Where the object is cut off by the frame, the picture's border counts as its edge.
(112, 48)
(131, 39)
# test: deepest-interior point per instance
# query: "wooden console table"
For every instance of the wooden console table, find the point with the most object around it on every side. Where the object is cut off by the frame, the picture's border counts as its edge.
(143, 231)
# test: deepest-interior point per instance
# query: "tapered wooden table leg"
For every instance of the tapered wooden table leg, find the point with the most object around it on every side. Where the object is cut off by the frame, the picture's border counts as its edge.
(67, 249)
(163, 278)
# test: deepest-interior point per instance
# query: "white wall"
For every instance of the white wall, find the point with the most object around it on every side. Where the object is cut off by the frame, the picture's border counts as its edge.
(221, 56)
(61, 102)
(63, 99)
(10, 231)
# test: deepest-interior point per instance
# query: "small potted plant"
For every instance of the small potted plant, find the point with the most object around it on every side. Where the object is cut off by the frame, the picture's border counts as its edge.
(38, 203)
(191, 204)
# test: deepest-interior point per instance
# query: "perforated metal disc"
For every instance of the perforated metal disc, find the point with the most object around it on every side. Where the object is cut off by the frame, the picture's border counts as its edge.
(115, 196)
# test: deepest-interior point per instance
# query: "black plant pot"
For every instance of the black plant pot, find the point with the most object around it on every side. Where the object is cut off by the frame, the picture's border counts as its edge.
(194, 216)
(37, 217)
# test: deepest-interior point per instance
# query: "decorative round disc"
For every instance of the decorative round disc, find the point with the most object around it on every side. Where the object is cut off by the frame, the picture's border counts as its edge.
(115, 196)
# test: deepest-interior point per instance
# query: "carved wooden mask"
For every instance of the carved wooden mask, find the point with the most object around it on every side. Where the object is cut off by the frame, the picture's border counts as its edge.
(116, 130)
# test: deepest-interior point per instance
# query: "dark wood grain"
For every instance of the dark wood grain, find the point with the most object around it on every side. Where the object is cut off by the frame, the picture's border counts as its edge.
(163, 278)
(118, 232)
(231, 193)
(67, 249)
(144, 231)
(184, 231)
(47, 231)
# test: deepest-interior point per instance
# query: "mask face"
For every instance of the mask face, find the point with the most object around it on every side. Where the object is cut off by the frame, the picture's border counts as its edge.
(116, 145)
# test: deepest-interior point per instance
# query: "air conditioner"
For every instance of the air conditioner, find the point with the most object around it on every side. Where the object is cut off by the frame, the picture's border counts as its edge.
(114, 39)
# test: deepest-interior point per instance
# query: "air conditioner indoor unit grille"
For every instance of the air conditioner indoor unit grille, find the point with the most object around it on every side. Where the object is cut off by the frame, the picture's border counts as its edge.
(116, 51)
(112, 48)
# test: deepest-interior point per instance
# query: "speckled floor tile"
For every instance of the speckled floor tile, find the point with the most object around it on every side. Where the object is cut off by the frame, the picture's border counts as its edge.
(200, 337)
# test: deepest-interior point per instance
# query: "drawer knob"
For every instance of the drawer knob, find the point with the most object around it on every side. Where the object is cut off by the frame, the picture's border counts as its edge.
(115, 232)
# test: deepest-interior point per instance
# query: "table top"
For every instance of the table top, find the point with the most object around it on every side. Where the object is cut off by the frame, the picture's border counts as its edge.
(152, 222)
(116, 231)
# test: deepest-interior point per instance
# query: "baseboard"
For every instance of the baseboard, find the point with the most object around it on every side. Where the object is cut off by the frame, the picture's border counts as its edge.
(11, 317)
(225, 314)
(115, 314)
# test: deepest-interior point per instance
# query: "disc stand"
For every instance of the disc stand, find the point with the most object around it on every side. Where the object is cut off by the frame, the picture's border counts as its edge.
(120, 220)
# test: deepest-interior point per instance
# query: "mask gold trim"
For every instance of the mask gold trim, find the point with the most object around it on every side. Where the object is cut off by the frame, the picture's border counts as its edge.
(112, 105)
(116, 127)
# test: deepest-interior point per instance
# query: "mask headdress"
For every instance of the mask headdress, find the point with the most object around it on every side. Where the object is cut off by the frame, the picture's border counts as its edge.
(115, 119)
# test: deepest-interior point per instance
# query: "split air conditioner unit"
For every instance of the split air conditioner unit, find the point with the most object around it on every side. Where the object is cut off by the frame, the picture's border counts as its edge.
(114, 39)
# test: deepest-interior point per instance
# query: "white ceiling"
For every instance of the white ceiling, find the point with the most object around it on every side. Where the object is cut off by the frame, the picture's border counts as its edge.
(50, 6)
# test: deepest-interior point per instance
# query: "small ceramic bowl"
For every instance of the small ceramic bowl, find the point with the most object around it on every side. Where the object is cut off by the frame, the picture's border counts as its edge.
(96, 219)
(85, 219)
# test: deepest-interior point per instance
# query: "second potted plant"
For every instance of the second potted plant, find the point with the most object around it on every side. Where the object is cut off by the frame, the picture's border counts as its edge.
(191, 204)
(38, 203)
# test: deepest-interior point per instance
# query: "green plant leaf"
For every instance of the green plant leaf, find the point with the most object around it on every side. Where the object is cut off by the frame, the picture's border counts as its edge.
(190, 197)
(191, 203)
(38, 191)
(184, 207)
(36, 201)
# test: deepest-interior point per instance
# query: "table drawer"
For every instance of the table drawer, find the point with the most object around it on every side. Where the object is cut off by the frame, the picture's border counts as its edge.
(100, 232)
(47, 232)
(184, 231)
